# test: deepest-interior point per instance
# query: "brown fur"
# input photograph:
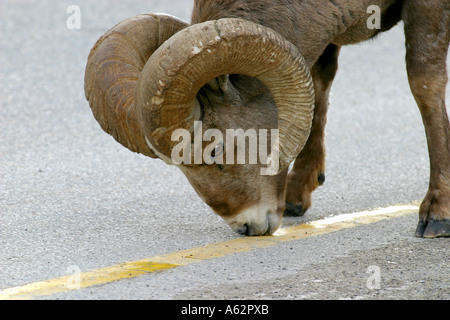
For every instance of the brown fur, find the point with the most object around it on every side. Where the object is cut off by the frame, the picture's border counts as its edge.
(318, 29)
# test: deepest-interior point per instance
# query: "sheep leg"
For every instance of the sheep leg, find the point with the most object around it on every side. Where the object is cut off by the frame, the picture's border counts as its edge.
(309, 168)
(427, 30)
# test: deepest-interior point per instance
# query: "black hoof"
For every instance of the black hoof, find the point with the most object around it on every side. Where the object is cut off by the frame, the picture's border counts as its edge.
(433, 229)
(294, 210)
(321, 178)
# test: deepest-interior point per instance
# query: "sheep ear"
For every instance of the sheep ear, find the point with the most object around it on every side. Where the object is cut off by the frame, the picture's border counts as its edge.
(219, 84)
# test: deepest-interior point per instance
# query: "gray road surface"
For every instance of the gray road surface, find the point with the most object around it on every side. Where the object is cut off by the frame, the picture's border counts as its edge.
(71, 196)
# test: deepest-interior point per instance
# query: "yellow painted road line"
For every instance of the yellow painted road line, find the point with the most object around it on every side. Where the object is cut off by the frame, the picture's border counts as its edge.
(83, 280)
(195, 255)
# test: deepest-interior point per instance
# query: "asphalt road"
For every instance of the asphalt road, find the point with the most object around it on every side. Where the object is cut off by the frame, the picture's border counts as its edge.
(71, 196)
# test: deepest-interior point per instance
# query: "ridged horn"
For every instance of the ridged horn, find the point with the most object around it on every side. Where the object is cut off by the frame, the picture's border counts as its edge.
(168, 85)
(112, 71)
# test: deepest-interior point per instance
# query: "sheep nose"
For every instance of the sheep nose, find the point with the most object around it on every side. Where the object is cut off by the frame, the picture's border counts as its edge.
(244, 230)
(251, 230)
(254, 223)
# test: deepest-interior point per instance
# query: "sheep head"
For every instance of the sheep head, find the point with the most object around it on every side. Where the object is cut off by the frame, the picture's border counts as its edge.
(152, 78)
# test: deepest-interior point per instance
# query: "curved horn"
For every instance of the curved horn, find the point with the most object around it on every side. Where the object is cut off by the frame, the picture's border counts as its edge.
(167, 87)
(113, 67)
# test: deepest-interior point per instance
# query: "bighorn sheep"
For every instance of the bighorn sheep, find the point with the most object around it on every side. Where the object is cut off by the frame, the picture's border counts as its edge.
(262, 64)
